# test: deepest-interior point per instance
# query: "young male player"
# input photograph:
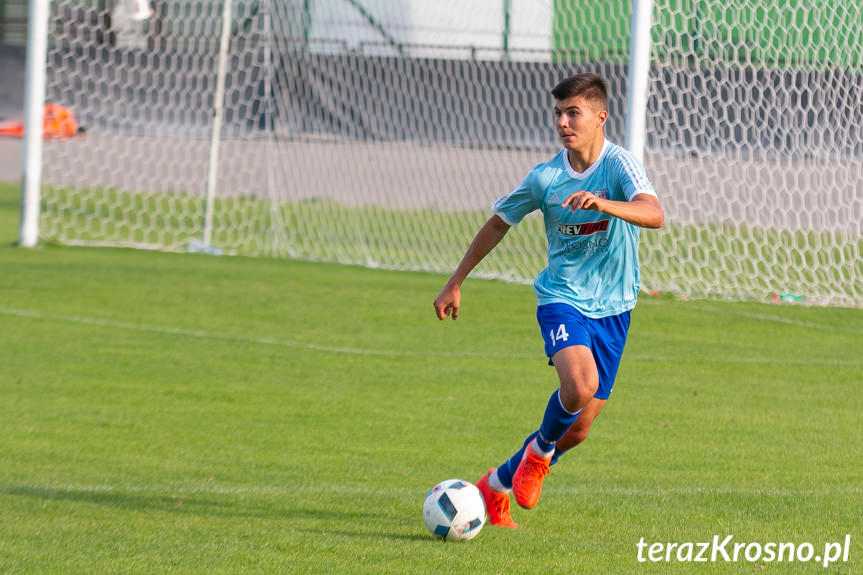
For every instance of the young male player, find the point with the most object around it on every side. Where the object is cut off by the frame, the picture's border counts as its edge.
(594, 197)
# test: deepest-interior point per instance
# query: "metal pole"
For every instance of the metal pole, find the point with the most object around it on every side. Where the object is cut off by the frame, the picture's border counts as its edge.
(377, 26)
(34, 103)
(218, 111)
(639, 70)
(507, 11)
(307, 22)
(696, 30)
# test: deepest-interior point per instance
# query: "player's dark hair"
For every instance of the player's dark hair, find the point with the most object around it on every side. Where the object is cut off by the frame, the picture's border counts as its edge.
(591, 87)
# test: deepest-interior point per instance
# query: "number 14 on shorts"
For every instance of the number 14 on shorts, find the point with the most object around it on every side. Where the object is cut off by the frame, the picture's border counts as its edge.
(560, 335)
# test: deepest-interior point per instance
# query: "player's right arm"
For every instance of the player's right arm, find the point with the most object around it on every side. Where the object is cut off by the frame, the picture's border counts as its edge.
(448, 300)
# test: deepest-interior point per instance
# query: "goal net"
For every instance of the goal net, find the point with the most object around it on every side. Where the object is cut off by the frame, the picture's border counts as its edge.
(379, 132)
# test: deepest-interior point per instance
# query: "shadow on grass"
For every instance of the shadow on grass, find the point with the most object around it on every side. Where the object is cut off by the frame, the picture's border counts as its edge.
(200, 504)
(192, 504)
(375, 535)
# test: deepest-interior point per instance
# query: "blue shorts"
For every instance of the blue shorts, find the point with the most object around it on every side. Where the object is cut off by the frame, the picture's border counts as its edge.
(563, 326)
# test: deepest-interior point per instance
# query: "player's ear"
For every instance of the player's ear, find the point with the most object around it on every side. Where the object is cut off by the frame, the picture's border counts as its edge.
(601, 117)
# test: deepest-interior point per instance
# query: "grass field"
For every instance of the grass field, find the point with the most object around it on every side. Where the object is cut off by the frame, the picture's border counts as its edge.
(168, 413)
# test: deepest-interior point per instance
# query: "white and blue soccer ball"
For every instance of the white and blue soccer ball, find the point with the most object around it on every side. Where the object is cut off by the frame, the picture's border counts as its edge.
(454, 510)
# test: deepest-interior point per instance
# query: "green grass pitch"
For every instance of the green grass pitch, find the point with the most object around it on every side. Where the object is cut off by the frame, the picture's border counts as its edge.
(165, 413)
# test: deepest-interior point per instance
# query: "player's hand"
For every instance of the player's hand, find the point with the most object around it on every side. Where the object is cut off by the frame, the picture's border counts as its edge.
(448, 301)
(582, 200)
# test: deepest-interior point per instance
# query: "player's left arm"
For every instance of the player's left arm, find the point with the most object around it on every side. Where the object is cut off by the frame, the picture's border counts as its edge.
(642, 210)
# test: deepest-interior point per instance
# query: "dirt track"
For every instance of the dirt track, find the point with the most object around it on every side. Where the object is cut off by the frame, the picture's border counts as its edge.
(783, 194)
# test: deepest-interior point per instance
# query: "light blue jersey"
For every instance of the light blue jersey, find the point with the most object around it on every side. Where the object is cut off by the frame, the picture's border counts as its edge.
(592, 257)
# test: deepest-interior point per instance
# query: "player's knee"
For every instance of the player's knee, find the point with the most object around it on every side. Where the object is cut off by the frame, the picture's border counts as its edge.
(577, 391)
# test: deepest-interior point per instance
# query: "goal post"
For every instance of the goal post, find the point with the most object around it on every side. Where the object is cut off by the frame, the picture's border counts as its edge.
(216, 130)
(379, 132)
(635, 135)
(34, 102)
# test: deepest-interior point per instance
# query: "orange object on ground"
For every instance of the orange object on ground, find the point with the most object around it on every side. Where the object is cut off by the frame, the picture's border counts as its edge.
(58, 124)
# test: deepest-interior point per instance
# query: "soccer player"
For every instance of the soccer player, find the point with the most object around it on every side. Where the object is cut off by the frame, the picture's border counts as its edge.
(594, 197)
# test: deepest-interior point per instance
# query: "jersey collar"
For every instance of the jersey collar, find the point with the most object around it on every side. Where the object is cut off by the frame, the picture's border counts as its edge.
(589, 171)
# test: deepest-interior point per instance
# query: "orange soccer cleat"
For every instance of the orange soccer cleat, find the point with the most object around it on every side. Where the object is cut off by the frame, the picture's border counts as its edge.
(496, 504)
(527, 479)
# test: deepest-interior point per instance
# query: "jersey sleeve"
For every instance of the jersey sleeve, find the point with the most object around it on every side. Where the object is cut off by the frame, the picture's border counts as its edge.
(524, 199)
(631, 177)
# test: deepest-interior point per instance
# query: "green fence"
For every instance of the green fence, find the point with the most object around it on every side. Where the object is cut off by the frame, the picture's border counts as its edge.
(814, 34)
(13, 22)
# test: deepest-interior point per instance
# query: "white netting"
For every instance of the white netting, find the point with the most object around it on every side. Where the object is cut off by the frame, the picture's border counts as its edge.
(755, 137)
(379, 131)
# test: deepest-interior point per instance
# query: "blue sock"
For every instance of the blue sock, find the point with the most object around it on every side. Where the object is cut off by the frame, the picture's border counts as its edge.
(506, 469)
(559, 420)
(555, 422)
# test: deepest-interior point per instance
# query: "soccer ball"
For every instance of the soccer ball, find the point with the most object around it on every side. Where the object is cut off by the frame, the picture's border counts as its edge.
(454, 510)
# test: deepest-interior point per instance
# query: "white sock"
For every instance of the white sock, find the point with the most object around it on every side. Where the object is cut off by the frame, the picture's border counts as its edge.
(494, 483)
(534, 446)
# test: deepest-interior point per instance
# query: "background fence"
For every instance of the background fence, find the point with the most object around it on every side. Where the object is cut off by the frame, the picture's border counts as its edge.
(380, 132)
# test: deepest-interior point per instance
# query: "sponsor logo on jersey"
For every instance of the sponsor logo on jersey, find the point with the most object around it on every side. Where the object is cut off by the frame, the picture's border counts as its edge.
(585, 229)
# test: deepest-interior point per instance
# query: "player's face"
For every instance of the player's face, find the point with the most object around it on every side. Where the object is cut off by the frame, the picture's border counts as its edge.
(579, 122)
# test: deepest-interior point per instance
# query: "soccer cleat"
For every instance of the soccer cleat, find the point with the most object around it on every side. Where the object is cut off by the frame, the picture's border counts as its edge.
(527, 479)
(496, 503)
